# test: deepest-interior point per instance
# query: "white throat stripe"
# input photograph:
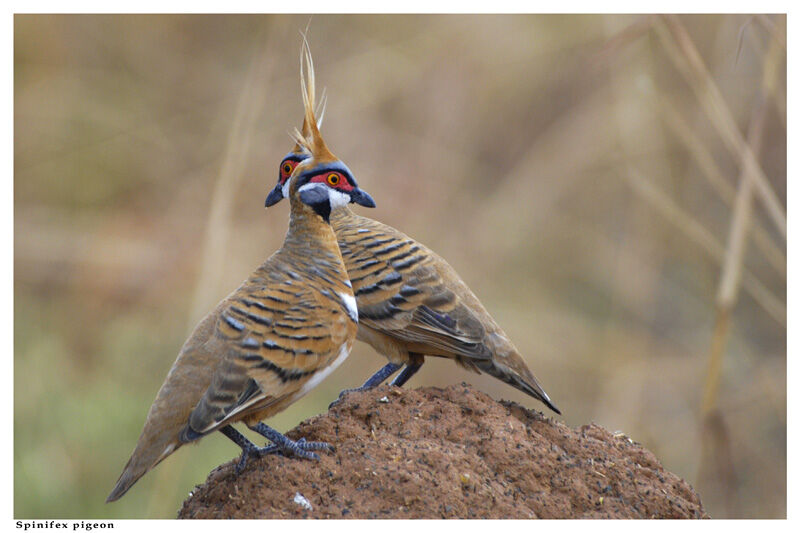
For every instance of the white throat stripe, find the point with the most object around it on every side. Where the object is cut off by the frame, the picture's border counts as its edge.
(350, 305)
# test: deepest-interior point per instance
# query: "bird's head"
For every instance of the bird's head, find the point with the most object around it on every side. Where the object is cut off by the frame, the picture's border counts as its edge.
(310, 173)
(296, 155)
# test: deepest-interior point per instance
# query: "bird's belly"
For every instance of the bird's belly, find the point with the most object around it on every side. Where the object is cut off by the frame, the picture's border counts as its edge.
(394, 350)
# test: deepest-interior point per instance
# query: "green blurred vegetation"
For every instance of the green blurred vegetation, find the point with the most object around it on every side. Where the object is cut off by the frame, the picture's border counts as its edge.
(543, 156)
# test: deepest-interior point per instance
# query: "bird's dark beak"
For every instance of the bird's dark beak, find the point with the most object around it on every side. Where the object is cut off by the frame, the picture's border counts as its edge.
(361, 197)
(274, 196)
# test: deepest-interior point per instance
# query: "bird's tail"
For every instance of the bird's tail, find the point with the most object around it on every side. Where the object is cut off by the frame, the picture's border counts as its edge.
(521, 379)
(142, 461)
(185, 384)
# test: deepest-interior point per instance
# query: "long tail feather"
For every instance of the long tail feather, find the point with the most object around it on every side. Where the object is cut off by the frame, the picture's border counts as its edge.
(527, 384)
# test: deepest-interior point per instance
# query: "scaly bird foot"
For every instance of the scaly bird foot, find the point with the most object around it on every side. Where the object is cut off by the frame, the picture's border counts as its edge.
(283, 445)
(303, 448)
(300, 448)
(286, 446)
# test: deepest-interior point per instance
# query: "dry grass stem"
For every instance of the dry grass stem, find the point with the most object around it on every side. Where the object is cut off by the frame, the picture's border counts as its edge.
(686, 58)
(622, 39)
(777, 33)
(687, 224)
(687, 135)
(774, 60)
(716, 441)
(737, 238)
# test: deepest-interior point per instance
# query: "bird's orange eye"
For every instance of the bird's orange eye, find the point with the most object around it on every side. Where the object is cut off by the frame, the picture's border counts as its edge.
(287, 168)
(333, 179)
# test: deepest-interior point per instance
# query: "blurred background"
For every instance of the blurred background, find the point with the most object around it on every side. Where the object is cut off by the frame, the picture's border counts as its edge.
(611, 187)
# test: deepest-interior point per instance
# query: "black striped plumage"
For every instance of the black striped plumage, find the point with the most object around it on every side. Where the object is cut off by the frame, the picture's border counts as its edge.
(412, 303)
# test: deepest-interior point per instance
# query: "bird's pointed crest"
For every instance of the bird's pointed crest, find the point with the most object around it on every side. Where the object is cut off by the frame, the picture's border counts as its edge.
(305, 132)
(319, 114)
(310, 139)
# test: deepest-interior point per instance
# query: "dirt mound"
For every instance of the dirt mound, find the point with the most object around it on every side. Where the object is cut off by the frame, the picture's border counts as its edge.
(448, 453)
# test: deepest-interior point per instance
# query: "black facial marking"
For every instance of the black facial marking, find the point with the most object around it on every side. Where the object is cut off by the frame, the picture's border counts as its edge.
(317, 197)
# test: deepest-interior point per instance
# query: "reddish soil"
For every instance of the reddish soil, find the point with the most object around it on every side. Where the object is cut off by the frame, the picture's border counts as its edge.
(448, 453)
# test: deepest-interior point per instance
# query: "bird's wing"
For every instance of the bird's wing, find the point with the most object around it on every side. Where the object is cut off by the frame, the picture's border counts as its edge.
(401, 292)
(276, 338)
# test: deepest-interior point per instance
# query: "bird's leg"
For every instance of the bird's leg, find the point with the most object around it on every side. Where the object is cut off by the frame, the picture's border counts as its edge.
(287, 446)
(248, 448)
(406, 374)
(374, 380)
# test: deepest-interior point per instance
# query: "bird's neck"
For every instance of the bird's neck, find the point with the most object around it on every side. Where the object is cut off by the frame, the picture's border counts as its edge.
(341, 216)
(309, 232)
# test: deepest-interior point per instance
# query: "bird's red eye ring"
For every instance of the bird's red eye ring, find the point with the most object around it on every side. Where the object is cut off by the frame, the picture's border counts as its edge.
(334, 179)
(287, 168)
